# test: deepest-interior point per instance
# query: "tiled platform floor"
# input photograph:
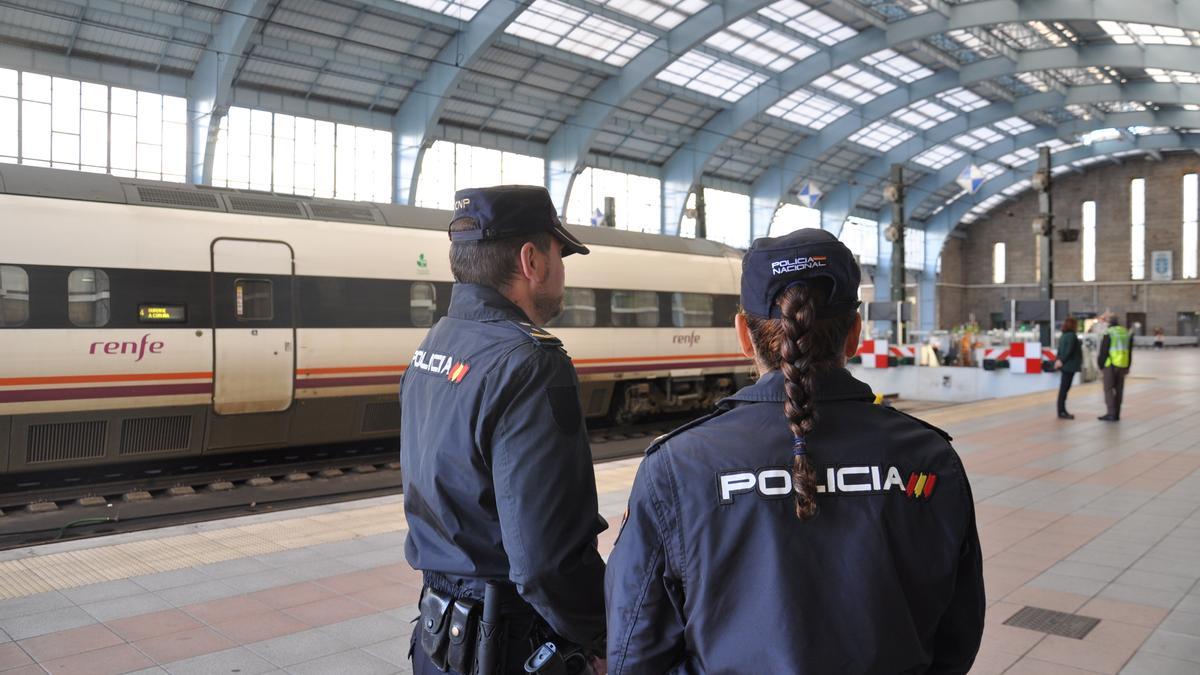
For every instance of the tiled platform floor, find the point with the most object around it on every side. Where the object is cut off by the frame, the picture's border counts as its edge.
(1103, 519)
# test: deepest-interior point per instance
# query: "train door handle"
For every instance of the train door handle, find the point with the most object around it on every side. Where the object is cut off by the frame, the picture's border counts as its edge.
(287, 346)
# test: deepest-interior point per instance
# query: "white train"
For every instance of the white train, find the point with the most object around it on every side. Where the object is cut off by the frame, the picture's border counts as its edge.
(141, 320)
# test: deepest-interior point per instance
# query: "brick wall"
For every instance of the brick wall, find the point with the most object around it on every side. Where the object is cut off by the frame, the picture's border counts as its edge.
(966, 283)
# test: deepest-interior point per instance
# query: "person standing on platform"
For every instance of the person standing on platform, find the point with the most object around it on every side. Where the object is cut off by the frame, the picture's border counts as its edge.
(499, 491)
(1069, 361)
(1158, 338)
(1115, 359)
(799, 528)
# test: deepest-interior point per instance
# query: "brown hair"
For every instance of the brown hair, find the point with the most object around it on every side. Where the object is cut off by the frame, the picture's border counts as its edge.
(803, 347)
(489, 262)
(1069, 324)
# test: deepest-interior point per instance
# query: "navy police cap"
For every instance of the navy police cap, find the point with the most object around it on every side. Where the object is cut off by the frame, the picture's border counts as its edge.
(509, 211)
(774, 264)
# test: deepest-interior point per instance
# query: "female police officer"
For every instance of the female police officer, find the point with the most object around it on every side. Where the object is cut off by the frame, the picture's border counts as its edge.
(800, 528)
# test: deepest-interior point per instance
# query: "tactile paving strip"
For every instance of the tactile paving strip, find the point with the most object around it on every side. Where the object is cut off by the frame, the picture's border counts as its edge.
(1052, 622)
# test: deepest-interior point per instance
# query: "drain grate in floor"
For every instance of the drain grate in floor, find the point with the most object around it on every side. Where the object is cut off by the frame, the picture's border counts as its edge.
(1052, 622)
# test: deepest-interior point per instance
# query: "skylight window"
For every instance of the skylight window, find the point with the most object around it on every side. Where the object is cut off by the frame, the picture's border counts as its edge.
(807, 21)
(853, 84)
(923, 115)
(972, 42)
(459, 9)
(579, 32)
(977, 138)
(1149, 131)
(665, 14)
(1173, 76)
(1034, 80)
(1014, 126)
(881, 136)
(963, 99)
(1099, 136)
(709, 75)
(991, 170)
(1019, 157)
(897, 65)
(808, 109)
(939, 156)
(1146, 34)
(754, 41)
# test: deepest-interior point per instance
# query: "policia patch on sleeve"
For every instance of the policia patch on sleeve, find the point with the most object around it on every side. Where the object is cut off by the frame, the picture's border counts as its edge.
(564, 404)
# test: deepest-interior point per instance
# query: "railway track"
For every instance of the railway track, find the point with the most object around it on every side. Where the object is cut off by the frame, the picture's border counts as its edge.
(60, 505)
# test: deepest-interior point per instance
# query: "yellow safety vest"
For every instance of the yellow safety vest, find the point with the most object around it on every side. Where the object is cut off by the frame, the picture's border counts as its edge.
(1118, 347)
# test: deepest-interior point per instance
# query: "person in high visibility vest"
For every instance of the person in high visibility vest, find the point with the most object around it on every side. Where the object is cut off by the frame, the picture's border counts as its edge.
(1116, 356)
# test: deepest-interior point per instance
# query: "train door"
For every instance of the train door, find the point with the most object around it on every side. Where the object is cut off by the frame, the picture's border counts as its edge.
(254, 333)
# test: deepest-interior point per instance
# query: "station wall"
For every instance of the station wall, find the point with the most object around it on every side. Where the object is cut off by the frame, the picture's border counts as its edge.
(966, 291)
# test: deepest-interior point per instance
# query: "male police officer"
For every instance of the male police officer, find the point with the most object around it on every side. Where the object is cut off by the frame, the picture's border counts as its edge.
(498, 481)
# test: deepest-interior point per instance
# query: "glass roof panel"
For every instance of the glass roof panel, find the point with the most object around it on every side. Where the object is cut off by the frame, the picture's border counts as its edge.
(580, 32)
(807, 21)
(853, 84)
(972, 42)
(1018, 157)
(1099, 135)
(977, 138)
(1149, 131)
(1146, 34)
(1014, 126)
(665, 14)
(963, 99)
(991, 170)
(808, 109)
(759, 43)
(923, 114)
(881, 136)
(938, 156)
(709, 75)
(459, 9)
(897, 65)
(1173, 76)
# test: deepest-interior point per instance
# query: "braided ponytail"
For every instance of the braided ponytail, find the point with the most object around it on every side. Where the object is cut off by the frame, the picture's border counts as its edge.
(797, 364)
(803, 347)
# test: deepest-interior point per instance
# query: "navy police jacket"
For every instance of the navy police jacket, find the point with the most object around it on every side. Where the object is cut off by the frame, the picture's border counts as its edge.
(714, 573)
(498, 480)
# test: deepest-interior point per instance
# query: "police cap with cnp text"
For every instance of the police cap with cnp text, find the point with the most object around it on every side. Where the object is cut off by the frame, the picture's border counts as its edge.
(774, 264)
(510, 211)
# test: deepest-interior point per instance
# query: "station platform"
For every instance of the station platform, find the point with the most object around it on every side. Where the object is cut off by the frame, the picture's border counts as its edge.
(1085, 517)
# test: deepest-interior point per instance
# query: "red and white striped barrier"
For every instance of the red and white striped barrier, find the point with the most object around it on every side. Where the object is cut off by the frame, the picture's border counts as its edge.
(874, 353)
(1025, 357)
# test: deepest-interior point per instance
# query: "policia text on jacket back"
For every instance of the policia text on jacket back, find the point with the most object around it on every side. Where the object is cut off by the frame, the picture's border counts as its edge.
(800, 528)
(498, 484)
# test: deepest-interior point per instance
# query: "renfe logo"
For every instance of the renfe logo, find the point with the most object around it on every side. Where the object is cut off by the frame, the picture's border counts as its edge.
(125, 347)
(689, 339)
(797, 265)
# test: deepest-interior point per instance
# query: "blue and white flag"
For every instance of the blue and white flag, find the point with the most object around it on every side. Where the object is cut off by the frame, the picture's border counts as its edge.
(971, 179)
(597, 218)
(809, 195)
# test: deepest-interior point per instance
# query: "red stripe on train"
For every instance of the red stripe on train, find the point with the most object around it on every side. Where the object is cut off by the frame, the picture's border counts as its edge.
(75, 393)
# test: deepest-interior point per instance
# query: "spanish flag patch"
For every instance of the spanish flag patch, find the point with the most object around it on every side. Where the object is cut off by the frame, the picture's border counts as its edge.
(457, 373)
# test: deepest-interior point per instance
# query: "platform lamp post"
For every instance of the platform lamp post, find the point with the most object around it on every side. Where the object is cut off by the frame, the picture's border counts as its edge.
(894, 193)
(1043, 227)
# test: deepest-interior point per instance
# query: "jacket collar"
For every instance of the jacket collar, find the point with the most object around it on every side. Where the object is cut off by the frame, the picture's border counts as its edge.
(838, 385)
(482, 303)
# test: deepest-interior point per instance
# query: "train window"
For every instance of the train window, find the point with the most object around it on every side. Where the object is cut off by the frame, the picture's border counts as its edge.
(422, 303)
(253, 300)
(579, 309)
(691, 309)
(14, 296)
(635, 308)
(88, 297)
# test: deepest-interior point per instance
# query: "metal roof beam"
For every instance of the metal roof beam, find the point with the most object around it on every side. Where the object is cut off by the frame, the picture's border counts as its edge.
(211, 88)
(570, 144)
(683, 169)
(413, 124)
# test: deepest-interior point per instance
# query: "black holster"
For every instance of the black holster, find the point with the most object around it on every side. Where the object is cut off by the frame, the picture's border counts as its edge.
(435, 628)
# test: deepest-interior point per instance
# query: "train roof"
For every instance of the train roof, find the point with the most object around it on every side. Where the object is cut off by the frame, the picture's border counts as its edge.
(95, 187)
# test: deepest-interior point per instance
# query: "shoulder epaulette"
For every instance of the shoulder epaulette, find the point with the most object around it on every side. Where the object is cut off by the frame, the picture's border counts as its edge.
(938, 430)
(539, 335)
(657, 442)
